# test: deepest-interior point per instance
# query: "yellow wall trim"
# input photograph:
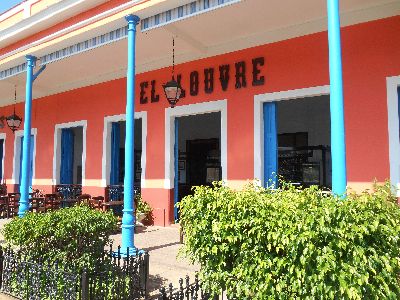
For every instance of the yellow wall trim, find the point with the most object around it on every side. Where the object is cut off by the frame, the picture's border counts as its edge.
(92, 182)
(42, 181)
(359, 187)
(153, 184)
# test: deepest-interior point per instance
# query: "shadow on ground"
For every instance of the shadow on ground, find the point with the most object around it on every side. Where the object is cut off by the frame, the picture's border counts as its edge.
(155, 283)
(148, 249)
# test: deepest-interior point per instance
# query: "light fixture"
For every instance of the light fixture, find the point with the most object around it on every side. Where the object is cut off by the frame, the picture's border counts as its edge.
(14, 121)
(172, 88)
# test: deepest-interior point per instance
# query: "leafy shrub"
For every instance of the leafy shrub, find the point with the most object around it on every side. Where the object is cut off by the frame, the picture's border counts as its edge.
(294, 244)
(74, 236)
(142, 207)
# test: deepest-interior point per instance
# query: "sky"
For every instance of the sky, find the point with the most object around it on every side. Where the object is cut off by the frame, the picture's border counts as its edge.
(7, 4)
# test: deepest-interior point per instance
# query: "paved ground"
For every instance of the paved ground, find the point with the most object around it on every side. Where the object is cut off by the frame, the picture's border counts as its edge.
(162, 243)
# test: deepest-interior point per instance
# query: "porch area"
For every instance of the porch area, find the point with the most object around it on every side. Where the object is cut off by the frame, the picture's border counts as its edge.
(62, 196)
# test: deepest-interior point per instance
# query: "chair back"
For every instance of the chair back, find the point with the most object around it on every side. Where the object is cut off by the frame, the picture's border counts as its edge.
(96, 202)
(84, 198)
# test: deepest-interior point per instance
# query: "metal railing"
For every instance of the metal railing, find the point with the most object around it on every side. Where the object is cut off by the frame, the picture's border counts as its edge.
(188, 291)
(26, 279)
(68, 191)
(114, 276)
(116, 192)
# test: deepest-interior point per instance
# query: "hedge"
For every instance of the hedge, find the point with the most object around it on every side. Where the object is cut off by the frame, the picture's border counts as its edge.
(73, 236)
(294, 244)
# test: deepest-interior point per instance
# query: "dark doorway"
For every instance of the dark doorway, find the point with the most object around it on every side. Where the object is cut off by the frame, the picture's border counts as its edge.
(197, 152)
(202, 156)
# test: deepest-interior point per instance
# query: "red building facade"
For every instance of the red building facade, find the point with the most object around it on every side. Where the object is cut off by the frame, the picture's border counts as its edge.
(235, 85)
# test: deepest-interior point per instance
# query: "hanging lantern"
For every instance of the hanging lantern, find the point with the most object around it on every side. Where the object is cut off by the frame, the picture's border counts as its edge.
(173, 91)
(14, 121)
(172, 88)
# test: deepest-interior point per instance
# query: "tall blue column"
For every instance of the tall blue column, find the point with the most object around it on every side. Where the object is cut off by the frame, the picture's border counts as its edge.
(338, 142)
(25, 167)
(128, 218)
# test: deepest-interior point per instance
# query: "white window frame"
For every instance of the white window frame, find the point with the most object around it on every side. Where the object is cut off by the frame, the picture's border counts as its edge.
(392, 83)
(106, 159)
(17, 155)
(188, 110)
(57, 149)
(3, 137)
(259, 100)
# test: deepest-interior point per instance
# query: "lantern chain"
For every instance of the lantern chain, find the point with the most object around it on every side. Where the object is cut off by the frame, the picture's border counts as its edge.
(173, 58)
(15, 97)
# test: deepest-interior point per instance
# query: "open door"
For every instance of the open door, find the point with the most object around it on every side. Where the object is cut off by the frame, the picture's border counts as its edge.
(270, 145)
(67, 156)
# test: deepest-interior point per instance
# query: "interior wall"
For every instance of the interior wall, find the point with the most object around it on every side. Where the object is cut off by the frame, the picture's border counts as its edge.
(310, 115)
(78, 150)
(202, 126)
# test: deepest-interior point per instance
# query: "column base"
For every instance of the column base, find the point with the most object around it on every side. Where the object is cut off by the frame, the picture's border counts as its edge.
(131, 252)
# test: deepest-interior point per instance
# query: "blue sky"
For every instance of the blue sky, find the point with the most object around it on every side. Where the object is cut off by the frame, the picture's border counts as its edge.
(6, 4)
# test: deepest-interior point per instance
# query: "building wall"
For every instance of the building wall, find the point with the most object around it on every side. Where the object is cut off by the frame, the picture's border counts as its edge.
(371, 53)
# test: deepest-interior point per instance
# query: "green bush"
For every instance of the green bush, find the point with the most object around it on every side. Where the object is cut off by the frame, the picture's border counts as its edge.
(294, 244)
(142, 207)
(73, 236)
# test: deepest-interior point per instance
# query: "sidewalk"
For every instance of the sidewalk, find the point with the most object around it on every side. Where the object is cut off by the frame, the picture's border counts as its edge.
(163, 245)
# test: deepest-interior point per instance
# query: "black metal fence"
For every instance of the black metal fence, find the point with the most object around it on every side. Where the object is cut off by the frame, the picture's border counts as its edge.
(68, 191)
(116, 192)
(114, 276)
(188, 291)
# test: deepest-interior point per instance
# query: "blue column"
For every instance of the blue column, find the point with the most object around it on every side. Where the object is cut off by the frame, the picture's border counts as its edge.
(25, 169)
(338, 142)
(128, 218)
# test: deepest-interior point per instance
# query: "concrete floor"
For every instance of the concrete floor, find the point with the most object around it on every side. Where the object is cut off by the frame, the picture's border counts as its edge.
(163, 245)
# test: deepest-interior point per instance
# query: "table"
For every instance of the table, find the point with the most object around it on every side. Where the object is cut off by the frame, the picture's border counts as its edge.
(114, 205)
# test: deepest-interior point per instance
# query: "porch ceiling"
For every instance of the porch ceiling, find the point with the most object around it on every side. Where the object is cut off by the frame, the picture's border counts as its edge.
(237, 26)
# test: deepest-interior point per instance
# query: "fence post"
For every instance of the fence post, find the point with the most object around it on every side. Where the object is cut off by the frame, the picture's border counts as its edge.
(85, 285)
(163, 294)
(143, 270)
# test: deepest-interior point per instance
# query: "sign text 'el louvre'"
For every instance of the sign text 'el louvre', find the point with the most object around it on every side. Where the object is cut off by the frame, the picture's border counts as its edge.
(225, 73)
